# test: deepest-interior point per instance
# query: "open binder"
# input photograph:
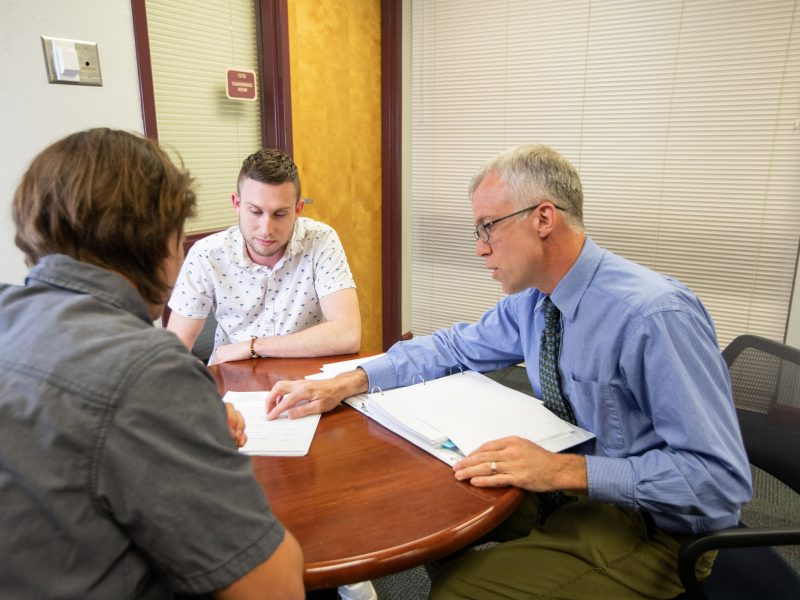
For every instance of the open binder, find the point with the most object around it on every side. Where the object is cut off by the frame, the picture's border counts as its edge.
(452, 416)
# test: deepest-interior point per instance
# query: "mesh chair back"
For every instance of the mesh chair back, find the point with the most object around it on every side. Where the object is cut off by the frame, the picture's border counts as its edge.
(765, 376)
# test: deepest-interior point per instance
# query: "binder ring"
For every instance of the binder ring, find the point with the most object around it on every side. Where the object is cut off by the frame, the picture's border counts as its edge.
(456, 367)
(375, 387)
(421, 378)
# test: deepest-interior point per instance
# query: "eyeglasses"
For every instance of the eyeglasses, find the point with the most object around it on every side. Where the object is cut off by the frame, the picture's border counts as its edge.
(484, 230)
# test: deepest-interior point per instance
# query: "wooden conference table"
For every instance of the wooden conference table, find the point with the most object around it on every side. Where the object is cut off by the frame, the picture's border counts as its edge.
(364, 502)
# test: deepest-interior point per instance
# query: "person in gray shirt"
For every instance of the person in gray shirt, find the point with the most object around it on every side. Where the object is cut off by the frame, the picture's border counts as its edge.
(119, 470)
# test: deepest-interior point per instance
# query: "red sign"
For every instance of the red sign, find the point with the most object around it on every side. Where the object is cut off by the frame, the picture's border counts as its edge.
(241, 84)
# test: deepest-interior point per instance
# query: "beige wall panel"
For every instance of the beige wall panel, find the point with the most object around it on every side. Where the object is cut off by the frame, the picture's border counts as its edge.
(334, 48)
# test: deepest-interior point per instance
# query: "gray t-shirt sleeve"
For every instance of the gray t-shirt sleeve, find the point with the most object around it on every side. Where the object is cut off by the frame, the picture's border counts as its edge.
(168, 472)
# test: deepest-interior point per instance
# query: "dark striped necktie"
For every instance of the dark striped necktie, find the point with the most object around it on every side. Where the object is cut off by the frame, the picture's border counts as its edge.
(552, 395)
(549, 376)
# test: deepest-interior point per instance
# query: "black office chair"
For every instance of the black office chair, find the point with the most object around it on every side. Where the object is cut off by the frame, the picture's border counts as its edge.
(765, 376)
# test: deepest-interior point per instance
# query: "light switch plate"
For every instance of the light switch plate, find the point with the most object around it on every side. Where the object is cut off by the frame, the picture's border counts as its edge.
(57, 49)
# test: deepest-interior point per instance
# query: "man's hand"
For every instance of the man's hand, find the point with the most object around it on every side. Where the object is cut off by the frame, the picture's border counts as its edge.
(302, 397)
(523, 464)
(236, 425)
(229, 352)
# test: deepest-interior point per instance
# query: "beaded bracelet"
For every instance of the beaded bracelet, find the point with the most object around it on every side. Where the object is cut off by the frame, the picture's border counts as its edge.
(253, 347)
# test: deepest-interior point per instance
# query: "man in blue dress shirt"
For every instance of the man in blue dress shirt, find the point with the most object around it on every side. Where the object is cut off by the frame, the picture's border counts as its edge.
(638, 365)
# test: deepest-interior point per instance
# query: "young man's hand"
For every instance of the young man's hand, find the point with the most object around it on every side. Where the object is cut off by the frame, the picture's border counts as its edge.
(236, 424)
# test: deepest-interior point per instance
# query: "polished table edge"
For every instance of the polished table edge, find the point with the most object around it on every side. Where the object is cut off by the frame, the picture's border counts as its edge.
(393, 560)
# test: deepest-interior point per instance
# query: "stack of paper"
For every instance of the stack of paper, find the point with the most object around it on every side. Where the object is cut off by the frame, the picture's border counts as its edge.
(331, 370)
(454, 415)
(280, 437)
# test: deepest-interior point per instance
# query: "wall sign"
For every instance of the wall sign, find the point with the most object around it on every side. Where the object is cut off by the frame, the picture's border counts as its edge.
(241, 84)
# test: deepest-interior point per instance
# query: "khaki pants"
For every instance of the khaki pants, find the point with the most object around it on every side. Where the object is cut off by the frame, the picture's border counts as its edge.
(582, 550)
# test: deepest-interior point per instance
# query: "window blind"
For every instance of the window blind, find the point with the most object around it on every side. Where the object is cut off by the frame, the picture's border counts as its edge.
(192, 43)
(683, 119)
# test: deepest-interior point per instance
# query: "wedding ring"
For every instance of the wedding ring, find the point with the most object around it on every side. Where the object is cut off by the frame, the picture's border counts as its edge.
(493, 467)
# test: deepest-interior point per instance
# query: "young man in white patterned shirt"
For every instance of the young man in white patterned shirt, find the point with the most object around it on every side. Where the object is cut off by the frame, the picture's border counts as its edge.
(279, 283)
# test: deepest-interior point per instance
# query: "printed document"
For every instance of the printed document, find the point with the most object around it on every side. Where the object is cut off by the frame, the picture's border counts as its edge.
(279, 437)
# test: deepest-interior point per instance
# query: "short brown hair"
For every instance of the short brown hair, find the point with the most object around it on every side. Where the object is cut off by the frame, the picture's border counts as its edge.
(105, 197)
(269, 166)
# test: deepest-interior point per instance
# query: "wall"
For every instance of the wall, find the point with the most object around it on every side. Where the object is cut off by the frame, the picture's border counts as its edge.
(35, 113)
(336, 113)
(334, 50)
(440, 40)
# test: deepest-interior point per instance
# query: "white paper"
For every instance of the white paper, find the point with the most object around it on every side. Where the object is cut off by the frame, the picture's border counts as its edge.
(394, 409)
(279, 437)
(331, 370)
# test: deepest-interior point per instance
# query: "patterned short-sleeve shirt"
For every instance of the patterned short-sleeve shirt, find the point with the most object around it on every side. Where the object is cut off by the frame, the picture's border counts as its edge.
(254, 300)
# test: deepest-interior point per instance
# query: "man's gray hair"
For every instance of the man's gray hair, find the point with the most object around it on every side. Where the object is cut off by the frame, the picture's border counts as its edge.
(534, 173)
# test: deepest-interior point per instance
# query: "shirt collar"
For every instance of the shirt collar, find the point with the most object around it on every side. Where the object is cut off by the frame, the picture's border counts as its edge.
(238, 256)
(60, 270)
(296, 242)
(570, 290)
(295, 245)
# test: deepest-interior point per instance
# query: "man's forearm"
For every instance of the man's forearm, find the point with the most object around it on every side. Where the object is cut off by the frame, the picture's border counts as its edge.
(187, 329)
(325, 339)
(351, 383)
